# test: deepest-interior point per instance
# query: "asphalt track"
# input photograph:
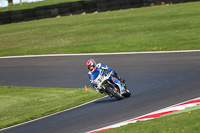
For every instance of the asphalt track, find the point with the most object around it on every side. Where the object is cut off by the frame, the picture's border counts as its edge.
(156, 81)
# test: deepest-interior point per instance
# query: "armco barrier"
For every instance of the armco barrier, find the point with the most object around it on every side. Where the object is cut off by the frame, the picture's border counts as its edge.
(114, 5)
(64, 9)
(28, 14)
(78, 7)
(127, 4)
(102, 6)
(5, 17)
(90, 6)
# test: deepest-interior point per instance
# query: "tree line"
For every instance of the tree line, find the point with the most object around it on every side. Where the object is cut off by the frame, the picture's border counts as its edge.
(10, 2)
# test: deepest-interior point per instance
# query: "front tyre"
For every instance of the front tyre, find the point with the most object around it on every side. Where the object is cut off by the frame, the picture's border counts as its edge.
(128, 92)
(115, 93)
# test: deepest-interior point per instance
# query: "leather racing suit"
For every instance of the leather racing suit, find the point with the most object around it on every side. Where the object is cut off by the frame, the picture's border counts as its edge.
(104, 68)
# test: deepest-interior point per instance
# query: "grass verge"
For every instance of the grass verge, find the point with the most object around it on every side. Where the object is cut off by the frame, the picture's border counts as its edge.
(20, 104)
(170, 27)
(185, 122)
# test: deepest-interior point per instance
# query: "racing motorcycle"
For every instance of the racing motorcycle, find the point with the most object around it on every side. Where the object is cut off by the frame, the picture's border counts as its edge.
(110, 85)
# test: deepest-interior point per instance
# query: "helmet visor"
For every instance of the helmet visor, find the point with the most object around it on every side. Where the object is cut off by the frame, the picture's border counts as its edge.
(91, 64)
(91, 68)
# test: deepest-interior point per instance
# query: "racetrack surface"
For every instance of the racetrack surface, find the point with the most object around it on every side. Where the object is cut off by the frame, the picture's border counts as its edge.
(156, 81)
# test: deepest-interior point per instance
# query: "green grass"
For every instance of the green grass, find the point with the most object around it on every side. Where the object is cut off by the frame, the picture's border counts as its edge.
(20, 104)
(33, 4)
(170, 27)
(186, 122)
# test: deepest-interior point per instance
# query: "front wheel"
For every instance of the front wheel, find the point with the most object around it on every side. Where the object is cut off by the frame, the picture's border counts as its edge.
(128, 92)
(114, 92)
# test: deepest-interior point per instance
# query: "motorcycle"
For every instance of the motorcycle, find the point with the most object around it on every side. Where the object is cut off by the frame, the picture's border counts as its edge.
(110, 85)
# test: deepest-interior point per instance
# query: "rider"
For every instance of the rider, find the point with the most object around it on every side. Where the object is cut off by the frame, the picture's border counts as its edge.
(92, 66)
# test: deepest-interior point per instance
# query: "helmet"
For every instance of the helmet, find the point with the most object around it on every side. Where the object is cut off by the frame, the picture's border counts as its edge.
(91, 65)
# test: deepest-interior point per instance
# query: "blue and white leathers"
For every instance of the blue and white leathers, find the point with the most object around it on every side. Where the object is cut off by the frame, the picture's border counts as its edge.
(92, 75)
(100, 70)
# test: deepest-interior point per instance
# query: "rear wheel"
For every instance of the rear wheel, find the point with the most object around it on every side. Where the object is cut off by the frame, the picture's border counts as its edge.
(115, 93)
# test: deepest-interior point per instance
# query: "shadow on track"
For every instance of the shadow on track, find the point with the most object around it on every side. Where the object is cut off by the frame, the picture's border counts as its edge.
(107, 100)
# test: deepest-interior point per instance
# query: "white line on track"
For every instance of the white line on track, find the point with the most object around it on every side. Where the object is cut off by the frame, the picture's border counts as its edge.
(119, 53)
(52, 114)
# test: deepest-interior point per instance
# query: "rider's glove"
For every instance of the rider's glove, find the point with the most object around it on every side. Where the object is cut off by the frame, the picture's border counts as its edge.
(106, 71)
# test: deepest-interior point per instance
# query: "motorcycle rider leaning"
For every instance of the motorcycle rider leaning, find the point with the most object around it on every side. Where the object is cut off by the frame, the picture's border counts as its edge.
(92, 66)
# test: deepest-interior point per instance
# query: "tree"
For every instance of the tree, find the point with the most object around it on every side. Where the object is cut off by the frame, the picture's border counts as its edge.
(10, 2)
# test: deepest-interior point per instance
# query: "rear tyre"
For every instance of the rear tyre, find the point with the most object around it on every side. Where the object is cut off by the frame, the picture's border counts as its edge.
(115, 93)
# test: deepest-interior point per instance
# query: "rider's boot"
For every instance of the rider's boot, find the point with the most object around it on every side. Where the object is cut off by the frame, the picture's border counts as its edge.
(119, 78)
